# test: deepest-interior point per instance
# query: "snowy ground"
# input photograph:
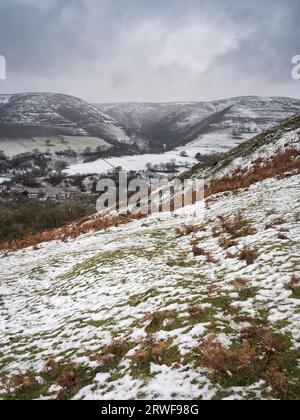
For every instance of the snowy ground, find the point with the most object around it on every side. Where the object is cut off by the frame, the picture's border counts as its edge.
(53, 144)
(130, 163)
(215, 141)
(67, 301)
(218, 141)
(287, 141)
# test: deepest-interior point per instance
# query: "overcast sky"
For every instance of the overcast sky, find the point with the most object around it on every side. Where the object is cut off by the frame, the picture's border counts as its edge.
(150, 50)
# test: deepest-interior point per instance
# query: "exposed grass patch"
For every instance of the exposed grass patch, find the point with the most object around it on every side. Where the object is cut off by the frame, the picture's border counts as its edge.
(181, 261)
(136, 300)
(198, 314)
(236, 226)
(294, 286)
(259, 354)
(255, 322)
(245, 292)
(166, 321)
(220, 302)
(152, 351)
(110, 357)
(69, 378)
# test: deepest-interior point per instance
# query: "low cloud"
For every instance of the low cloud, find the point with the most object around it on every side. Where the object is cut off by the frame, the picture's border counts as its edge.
(136, 50)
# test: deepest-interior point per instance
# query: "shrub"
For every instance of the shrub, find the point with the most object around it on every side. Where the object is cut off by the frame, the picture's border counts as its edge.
(282, 236)
(236, 226)
(294, 283)
(240, 283)
(188, 230)
(259, 354)
(68, 380)
(227, 243)
(279, 165)
(199, 252)
(249, 255)
(294, 286)
(78, 227)
(117, 348)
(152, 351)
(277, 222)
(277, 379)
(220, 359)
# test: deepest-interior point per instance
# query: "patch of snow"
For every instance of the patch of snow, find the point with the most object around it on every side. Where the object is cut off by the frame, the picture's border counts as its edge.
(68, 300)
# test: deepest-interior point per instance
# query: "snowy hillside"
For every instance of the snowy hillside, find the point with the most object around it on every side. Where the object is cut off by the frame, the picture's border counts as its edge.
(170, 306)
(274, 141)
(163, 308)
(189, 130)
(258, 152)
(244, 117)
(245, 114)
(63, 113)
(233, 120)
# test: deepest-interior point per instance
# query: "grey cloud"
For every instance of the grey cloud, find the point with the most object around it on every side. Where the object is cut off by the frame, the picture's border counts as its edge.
(110, 50)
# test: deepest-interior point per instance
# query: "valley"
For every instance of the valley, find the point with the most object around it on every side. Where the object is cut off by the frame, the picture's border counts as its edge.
(87, 139)
(171, 306)
(197, 303)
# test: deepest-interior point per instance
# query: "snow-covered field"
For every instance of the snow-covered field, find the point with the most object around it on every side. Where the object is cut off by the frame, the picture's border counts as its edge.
(129, 163)
(214, 142)
(13, 147)
(67, 301)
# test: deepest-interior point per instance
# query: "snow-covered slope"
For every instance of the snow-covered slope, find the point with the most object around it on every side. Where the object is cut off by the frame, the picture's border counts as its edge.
(56, 112)
(173, 306)
(259, 149)
(190, 128)
(160, 308)
(258, 152)
(248, 114)
(232, 120)
(245, 117)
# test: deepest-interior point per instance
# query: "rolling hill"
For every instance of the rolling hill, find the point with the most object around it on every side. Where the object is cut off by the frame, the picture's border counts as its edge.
(44, 114)
(202, 128)
(179, 124)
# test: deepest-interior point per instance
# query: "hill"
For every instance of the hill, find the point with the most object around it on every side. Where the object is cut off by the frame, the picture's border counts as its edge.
(231, 121)
(274, 152)
(168, 308)
(172, 306)
(44, 114)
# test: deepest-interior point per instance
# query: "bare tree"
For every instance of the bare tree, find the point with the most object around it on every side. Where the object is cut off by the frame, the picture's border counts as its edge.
(60, 166)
